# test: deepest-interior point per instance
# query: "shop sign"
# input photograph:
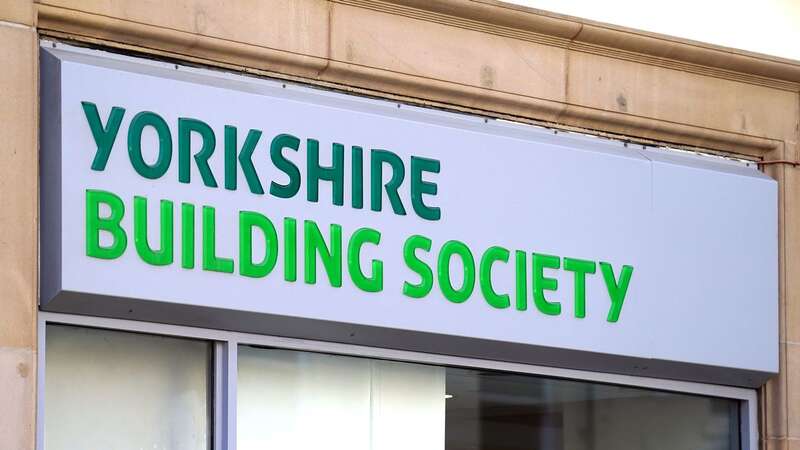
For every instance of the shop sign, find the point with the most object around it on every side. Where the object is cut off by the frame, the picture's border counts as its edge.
(183, 187)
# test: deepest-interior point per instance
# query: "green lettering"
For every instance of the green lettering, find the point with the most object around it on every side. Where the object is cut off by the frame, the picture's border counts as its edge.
(490, 256)
(376, 181)
(522, 279)
(315, 172)
(159, 168)
(616, 289)
(419, 187)
(542, 283)
(211, 261)
(162, 256)
(111, 224)
(449, 249)
(357, 240)
(104, 136)
(331, 257)
(289, 249)
(245, 159)
(357, 173)
(580, 268)
(247, 221)
(280, 142)
(418, 266)
(185, 129)
(187, 236)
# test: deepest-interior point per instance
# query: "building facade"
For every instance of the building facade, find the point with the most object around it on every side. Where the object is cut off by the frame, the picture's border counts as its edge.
(506, 73)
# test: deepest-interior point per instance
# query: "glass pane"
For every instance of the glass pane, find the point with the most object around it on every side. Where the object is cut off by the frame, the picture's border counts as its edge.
(125, 391)
(300, 400)
(505, 411)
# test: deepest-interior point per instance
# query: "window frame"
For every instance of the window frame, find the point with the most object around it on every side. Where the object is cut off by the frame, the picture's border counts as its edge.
(224, 376)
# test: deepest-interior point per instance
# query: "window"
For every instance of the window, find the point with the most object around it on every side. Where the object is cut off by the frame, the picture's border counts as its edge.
(124, 390)
(504, 411)
(301, 400)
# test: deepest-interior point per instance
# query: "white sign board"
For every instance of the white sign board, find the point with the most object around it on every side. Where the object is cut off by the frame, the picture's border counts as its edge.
(190, 196)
